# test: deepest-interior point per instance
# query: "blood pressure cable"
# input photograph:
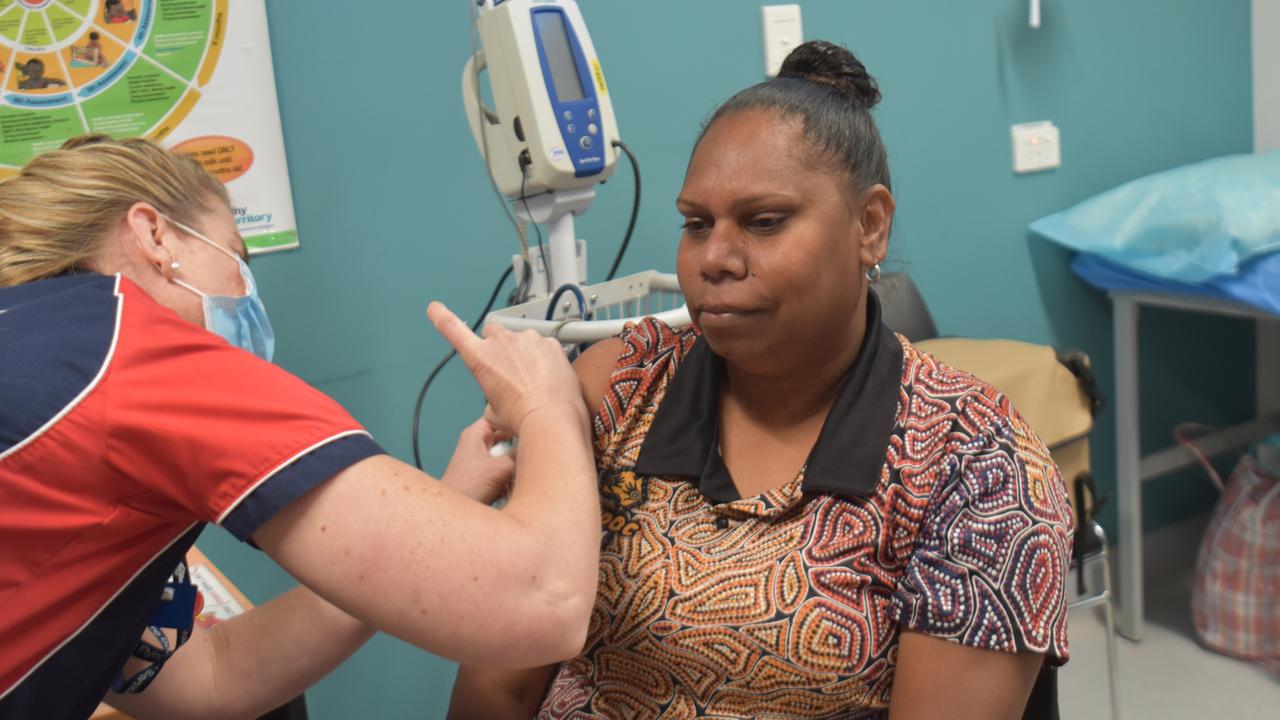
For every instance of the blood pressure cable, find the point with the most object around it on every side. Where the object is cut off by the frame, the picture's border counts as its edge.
(635, 209)
(422, 394)
(522, 289)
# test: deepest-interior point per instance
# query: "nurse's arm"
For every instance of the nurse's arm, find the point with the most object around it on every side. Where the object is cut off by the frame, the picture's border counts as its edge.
(938, 678)
(417, 559)
(250, 664)
(488, 693)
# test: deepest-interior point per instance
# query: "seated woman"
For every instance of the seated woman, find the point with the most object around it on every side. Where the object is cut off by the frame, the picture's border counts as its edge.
(804, 516)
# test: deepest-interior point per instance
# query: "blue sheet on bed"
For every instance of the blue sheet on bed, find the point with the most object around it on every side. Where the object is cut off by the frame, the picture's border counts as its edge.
(1257, 283)
(1189, 224)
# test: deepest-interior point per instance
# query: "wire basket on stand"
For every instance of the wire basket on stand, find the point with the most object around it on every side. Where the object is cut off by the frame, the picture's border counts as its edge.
(611, 305)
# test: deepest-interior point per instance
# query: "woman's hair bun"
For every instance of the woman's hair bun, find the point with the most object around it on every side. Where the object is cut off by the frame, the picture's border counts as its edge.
(830, 64)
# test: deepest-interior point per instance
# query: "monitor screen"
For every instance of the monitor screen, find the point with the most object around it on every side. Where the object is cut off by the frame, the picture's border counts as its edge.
(555, 45)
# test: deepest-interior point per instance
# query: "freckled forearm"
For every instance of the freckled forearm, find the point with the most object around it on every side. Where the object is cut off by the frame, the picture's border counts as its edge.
(258, 661)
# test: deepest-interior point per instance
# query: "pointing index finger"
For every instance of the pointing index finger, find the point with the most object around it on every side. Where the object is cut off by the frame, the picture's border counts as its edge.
(455, 331)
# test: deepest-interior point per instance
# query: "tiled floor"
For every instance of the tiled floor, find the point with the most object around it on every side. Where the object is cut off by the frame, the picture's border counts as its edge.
(1168, 674)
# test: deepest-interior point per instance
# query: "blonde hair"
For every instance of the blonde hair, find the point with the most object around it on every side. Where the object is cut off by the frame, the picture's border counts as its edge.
(57, 211)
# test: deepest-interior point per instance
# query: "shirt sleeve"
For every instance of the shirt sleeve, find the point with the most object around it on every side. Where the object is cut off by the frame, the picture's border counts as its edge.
(991, 559)
(651, 352)
(197, 426)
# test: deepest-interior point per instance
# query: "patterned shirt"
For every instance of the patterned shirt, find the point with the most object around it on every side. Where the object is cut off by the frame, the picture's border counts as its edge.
(926, 504)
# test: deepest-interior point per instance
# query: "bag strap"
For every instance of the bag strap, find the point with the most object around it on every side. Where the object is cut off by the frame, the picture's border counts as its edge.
(1186, 435)
(1077, 362)
(1265, 471)
(1088, 503)
(1082, 481)
(1272, 494)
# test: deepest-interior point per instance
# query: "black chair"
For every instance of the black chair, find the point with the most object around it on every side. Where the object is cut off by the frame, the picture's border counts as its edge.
(903, 308)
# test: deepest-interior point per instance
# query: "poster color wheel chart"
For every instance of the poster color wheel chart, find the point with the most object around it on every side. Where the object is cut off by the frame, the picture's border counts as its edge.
(130, 68)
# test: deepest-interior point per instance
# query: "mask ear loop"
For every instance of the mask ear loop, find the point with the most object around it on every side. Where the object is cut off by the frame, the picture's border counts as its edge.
(196, 233)
(204, 298)
(249, 285)
(245, 274)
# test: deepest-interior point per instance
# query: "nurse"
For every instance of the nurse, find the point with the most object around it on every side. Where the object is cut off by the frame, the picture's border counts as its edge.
(138, 403)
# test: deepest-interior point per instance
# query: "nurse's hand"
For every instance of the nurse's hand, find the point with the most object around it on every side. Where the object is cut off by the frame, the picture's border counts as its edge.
(473, 470)
(522, 374)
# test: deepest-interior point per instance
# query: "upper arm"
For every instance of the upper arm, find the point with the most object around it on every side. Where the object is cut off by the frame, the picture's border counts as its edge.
(185, 681)
(499, 694)
(938, 678)
(613, 372)
(410, 556)
(594, 367)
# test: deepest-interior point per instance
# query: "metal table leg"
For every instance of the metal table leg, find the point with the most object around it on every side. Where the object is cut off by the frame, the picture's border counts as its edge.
(1268, 334)
(1128, 455)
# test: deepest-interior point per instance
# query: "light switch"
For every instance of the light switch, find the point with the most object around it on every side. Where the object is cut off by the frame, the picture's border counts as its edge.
(1036, 146)
(783, 31)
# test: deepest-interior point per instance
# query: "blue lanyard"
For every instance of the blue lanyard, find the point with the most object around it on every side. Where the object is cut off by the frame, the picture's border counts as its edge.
(176, 611)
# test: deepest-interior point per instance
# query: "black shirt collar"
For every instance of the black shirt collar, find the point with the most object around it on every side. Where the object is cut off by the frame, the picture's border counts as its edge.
(850, 450)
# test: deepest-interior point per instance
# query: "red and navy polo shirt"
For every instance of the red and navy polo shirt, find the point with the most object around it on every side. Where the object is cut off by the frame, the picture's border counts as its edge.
(123, 430)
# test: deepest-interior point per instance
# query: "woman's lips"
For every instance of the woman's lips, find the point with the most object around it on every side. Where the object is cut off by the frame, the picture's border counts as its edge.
(723, 315)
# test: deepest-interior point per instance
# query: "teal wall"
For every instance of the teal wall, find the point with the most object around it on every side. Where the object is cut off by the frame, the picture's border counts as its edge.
(394, 209)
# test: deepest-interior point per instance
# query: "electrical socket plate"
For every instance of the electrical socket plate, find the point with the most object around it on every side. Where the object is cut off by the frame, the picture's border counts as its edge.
(783, 31)
(1036, 146)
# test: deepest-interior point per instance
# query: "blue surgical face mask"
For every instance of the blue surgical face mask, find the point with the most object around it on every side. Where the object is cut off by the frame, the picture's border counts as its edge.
(241, 320)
